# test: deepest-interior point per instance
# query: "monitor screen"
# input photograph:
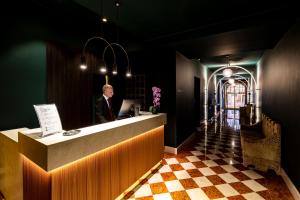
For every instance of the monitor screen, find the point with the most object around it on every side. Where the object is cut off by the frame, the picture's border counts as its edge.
(127, 108)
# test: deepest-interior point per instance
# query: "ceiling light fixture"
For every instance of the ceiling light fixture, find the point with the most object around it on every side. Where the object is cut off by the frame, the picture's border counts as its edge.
(227, 72)
(128, 74)
(117, 3)
(104, 19)
(115, 67)
(128, 68)
(115, 70)
(83, 65)
(102, 67)
(103, 70)
(231, 81)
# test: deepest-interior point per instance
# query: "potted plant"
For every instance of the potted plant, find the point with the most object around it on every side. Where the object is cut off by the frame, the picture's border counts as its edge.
(156, 100)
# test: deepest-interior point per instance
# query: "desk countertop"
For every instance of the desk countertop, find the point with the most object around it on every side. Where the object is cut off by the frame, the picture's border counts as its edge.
(57, 150)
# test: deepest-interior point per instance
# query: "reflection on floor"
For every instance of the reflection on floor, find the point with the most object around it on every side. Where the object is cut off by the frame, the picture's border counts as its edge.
(211, 168)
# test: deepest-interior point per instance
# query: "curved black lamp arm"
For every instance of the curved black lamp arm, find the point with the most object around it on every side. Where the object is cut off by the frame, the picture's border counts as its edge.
(108, 45)
(117, 44)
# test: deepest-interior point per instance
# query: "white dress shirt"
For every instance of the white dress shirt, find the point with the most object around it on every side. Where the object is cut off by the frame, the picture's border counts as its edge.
(106, 98)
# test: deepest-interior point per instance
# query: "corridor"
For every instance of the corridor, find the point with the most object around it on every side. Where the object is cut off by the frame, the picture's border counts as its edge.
(210, 168)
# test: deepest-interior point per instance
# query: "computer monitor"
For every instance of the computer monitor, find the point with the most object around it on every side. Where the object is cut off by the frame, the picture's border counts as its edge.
(127, 108)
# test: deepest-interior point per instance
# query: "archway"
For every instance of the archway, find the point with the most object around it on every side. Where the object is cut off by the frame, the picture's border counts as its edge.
(238, 94)
(208, 82)
(219, 96)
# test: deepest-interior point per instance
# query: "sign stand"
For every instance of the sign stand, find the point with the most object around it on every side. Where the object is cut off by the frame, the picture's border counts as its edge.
(48, 118)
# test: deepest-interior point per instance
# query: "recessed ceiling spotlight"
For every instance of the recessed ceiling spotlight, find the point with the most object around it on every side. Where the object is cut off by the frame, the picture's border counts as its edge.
(117, 3)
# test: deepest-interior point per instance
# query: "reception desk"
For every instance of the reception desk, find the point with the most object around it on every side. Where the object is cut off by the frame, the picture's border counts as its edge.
(100, 162)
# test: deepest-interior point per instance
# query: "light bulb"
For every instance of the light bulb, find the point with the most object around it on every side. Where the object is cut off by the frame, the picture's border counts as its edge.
(227, 72)
(115, 69)
(128, 74)
(231, 81)
(104, 19)
(83, 66)
(103, 69)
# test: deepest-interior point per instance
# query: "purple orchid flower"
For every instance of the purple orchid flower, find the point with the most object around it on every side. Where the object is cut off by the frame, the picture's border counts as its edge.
(156, 96)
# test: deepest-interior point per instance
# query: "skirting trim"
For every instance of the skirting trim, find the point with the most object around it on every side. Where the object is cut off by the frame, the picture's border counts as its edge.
(174, 150)
(290, 185)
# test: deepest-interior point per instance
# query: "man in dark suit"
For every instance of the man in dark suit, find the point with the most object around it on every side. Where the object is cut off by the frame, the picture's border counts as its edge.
(104, 112)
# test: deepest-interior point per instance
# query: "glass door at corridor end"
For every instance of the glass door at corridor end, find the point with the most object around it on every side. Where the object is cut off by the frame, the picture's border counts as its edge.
(235, 96)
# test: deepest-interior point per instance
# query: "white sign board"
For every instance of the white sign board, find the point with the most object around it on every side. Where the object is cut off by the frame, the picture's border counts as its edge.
(48, 118)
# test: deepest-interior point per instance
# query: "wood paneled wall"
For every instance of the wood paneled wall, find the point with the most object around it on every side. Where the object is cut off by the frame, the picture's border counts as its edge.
(70, 88)
(102, 176)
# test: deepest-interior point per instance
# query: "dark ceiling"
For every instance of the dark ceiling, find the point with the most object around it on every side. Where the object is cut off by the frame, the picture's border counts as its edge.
(200, 29)
(206, 29)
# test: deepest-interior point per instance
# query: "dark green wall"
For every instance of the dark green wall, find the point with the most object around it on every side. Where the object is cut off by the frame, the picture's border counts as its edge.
(23, 83)
(281, 97)
(27, 29)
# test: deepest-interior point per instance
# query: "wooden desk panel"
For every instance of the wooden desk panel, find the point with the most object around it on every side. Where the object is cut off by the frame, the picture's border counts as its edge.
(100, 176)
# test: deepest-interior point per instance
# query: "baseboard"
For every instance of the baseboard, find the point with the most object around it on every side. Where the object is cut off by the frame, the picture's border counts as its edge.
(190, 138)
(172, 150)
(290, 185)
(175, 150)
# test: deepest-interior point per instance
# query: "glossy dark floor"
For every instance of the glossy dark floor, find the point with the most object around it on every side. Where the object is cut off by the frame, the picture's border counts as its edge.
(210, 168)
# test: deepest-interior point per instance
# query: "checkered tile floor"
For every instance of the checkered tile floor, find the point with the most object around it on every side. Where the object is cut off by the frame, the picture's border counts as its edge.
(211, 168)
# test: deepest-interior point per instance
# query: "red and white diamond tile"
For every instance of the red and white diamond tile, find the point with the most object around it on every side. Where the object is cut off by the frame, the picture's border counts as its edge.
(211, 170)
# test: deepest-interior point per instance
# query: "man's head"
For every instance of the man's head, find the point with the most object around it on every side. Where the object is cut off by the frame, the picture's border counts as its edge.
(108, 90)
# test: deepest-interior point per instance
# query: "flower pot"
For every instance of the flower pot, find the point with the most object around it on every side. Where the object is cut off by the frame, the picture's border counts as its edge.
(153, 110)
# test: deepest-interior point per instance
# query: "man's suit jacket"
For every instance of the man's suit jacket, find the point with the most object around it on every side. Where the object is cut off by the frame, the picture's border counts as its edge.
(102, 111)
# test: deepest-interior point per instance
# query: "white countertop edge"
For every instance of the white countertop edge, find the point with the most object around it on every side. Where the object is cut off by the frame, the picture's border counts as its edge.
(58, 137)
(13, 133)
